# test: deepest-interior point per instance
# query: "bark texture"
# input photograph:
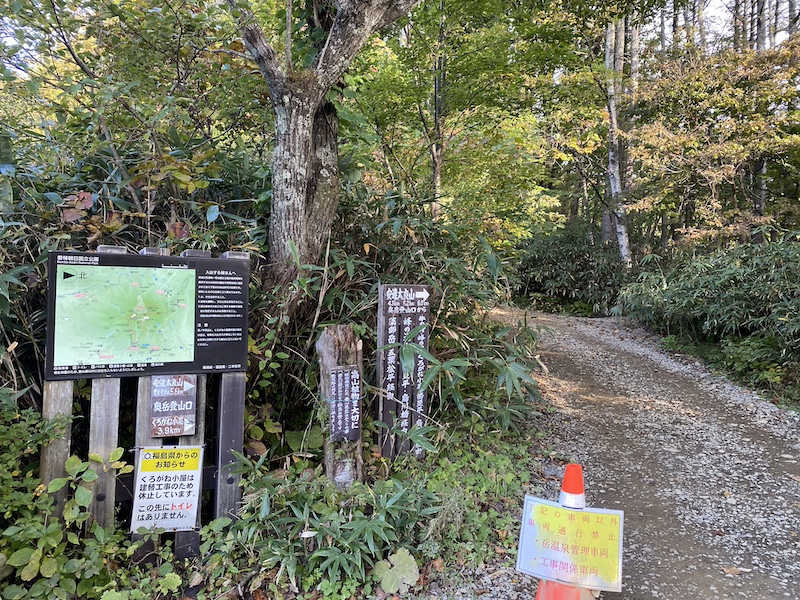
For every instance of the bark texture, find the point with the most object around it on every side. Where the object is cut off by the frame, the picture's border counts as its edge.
(305, 180)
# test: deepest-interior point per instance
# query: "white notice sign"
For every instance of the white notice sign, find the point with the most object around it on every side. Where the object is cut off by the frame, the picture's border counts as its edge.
(168, 485)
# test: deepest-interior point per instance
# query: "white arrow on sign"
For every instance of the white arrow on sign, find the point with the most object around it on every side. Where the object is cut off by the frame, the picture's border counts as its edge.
(187, 386)
(423, 294)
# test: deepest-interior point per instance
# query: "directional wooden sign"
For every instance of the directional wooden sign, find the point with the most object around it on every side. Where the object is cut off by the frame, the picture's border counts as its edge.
(401, 310)
(173, 405)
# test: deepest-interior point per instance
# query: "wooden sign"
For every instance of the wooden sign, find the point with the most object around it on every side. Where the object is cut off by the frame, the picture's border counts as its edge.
(173, 405)
(345, 404)
(401, 310)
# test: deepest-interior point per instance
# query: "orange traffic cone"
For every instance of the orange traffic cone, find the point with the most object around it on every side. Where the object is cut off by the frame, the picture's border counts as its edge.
(572, 495)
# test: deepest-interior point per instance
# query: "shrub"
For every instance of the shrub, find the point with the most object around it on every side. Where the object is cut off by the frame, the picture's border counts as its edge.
(567, 267)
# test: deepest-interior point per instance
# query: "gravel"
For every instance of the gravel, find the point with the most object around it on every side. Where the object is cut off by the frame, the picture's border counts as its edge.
(708, 473)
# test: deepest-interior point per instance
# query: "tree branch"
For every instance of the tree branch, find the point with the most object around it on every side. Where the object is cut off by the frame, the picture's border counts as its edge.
(261, 52)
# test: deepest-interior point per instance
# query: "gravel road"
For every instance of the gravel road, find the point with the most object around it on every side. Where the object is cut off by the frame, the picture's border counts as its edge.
(708, 473)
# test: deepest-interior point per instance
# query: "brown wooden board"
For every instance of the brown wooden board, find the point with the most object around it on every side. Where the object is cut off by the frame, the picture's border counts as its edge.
(401, 309)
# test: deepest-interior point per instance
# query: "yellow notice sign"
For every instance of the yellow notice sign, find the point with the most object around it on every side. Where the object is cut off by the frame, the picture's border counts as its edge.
(582, 548)
(170, 459)
(168, 482)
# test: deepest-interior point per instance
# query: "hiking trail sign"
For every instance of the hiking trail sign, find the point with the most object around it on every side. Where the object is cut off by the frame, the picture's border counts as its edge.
(112, 315)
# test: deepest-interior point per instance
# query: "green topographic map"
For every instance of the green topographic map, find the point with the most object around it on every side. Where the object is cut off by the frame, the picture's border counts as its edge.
(117, 315)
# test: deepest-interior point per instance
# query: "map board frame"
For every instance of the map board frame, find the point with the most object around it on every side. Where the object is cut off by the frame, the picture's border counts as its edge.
(214, 317)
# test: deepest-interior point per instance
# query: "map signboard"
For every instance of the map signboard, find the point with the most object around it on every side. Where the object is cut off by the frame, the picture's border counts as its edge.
(581, 548)
(168, 485)
(111, 315)
(401, 310)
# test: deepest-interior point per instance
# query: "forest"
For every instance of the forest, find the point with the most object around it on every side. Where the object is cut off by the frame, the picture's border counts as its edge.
(637, 158)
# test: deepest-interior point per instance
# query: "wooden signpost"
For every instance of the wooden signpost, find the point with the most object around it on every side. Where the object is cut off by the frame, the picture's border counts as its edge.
(339, 352)
(169, 322)
(401, 310)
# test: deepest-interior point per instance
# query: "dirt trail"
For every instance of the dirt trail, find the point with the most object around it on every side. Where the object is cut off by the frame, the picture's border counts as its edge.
(708, 474)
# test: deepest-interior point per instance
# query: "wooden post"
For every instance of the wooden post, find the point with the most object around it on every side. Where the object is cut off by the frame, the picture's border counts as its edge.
(104, 435)
(103, 440)
(57, 399)
(230, 432)
(187, 543)
(338, 346)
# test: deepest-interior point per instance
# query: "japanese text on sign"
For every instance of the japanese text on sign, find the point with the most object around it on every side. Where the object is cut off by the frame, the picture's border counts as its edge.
(173, 409)
(345, 404)
(582, 548)
(168, 485)
(401, 310)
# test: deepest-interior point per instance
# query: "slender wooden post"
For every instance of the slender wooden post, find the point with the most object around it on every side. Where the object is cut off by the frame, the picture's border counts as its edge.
(230, 432)
(338, 346)
(57, 399)
(104, 435)
(230, 437)
(187, 543)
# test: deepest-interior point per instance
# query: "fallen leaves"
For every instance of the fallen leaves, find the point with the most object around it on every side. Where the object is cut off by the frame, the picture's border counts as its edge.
(735, 571)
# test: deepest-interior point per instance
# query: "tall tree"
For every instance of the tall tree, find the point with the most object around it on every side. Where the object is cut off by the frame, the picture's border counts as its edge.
(615, 44)
(305, 180)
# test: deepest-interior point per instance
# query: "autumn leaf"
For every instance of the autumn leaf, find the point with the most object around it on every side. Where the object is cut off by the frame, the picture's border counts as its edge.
(70, 215)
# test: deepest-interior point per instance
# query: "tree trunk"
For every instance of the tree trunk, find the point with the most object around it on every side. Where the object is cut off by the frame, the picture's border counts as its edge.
(792, 28)
(737, 25)
(322, 196)
(701, 24)
(437, 142)
(761, 25)
(291, 164)
(305, 170)
(760, 196)
(613, 44)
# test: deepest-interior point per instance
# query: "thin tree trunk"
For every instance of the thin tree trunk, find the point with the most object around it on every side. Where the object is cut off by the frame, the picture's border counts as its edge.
(792, 28)
(437, 144)
(613, 44)
(701, 24)
(761, 25)
(676, 25)
(663, 31)
(635, 53)
(775, 23)
(760, 195)
(738, 25)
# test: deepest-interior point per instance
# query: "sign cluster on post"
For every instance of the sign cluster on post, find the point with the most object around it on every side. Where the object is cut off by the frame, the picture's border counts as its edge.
(168, 321)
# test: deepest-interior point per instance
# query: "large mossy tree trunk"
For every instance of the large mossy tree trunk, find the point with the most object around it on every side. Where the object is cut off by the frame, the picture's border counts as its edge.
(305, 180)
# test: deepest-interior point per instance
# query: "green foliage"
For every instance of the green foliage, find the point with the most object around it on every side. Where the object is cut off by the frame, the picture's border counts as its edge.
(481, 476)
(50, 555)
(747, 298)
(297, 528)
(397, 573)
(566, 266)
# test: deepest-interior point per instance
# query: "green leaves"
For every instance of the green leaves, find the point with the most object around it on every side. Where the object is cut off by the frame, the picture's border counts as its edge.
(398, 573)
